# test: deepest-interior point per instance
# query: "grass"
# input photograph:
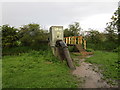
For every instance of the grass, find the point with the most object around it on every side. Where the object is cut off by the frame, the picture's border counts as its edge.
(108, 63)
(36, 69)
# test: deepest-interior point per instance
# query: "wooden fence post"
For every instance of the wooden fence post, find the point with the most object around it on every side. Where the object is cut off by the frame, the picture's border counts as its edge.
(69, 40)
(84, 44)
(80, 40)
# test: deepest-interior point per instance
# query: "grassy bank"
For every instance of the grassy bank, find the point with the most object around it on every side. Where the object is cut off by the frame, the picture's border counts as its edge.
(108, 64)
(36, 69)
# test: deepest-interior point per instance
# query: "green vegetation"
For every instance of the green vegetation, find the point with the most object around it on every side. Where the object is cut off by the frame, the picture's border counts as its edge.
(108, 40)
(9, 36)
(102, 41)
(73, 49)
(32, 35)
(0, 73)
(108, 64)
(36, 69)
(28, 35)
(72, 30)
(23, 49)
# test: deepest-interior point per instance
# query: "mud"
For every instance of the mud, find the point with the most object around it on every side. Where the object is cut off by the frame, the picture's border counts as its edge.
(90, 76)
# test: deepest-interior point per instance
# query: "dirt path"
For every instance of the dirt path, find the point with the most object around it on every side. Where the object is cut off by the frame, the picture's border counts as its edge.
(91, 78)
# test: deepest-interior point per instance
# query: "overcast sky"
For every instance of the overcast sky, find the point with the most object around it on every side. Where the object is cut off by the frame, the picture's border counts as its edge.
(93, 15)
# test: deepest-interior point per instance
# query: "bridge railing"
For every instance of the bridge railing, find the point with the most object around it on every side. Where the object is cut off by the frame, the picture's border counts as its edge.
(75, 40)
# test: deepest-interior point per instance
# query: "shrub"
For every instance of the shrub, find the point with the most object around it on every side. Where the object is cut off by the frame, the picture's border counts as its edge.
(116, 49)
(9, 36)
(32, 35)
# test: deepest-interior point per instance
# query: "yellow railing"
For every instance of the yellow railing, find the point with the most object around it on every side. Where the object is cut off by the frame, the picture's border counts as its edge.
(75, 40)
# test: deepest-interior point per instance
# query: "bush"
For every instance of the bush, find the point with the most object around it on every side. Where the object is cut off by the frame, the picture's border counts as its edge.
(23, 49)
(108, 46)
(116, 49)
(89, 50)
(9, 36)
(32, 35)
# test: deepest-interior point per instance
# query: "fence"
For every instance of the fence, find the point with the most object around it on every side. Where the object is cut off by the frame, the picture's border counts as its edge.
(73, 40)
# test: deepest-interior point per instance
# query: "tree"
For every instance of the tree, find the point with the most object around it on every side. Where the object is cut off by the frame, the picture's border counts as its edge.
(72, 30)
(32, 34)
(9, 36)
(113, 26)
(68, 33)
(75, 28)
(95, 39)
(118, 23)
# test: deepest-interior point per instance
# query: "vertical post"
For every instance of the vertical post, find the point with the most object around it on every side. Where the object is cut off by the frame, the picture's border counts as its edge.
(85, 44)
(80, 40)
(74, 39)
(69, 40)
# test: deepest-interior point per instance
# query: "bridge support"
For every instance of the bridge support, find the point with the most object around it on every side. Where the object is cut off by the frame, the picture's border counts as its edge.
(63, 53)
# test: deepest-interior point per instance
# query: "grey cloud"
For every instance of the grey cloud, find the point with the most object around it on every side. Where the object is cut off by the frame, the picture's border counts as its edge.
(51, 13)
